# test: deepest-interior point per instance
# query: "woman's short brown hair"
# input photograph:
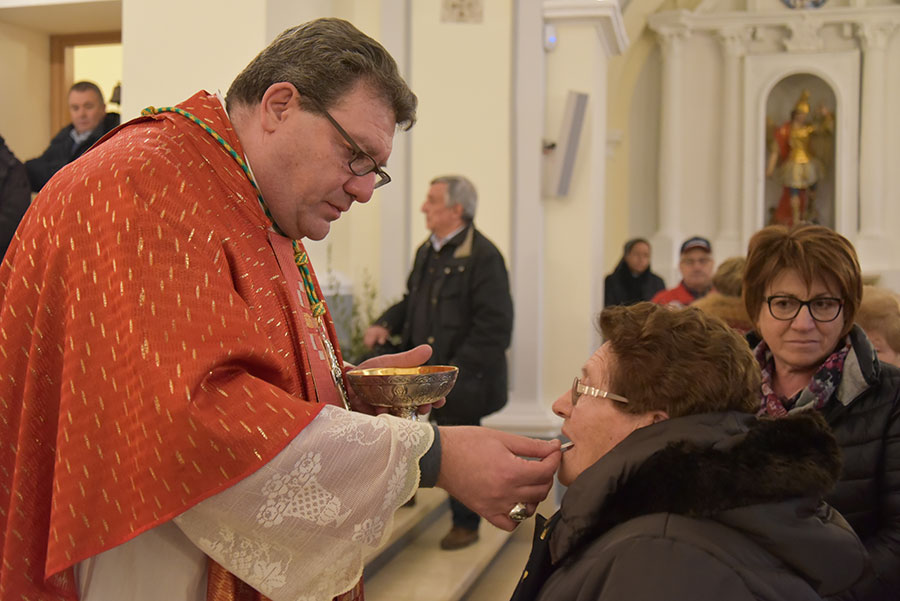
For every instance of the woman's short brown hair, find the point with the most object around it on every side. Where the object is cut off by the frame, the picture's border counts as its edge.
(681, 361)
(814, 252)
(879, 312)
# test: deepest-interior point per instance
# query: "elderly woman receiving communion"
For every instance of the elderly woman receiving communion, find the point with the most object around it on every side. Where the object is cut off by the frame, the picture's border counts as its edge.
(802, 288)
(676, 490)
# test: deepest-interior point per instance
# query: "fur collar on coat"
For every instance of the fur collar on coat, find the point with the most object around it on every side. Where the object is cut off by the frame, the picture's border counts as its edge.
(758, 476)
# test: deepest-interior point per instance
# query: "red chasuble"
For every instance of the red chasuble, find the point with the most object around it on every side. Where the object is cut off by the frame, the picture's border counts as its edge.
(153, 351)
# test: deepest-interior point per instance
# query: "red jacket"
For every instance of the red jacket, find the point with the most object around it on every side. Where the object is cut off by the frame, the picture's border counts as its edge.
(679, 296)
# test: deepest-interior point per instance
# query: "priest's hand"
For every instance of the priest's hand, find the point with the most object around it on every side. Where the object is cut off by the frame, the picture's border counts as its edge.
(411, 358)
(488, 472)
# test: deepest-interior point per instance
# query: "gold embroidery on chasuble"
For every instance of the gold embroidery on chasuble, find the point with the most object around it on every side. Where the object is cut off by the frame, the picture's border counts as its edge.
(319, 363)
(150, 353)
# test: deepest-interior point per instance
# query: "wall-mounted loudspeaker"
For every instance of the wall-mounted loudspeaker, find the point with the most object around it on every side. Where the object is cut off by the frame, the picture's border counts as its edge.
(562, 160)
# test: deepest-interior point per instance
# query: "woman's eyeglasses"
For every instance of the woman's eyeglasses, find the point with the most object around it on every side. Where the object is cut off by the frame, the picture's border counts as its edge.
(579, 389)
(786, 308)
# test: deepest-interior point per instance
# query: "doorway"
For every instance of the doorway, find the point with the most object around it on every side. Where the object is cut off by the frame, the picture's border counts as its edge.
(95, 57)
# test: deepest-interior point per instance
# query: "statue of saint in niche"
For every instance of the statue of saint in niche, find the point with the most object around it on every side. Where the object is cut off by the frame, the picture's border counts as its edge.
(793, 163)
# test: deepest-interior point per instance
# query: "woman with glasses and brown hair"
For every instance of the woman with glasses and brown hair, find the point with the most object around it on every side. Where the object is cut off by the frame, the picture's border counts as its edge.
(676, 490)
(802, 288)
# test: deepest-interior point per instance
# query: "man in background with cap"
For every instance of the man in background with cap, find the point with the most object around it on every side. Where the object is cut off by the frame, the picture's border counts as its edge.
(696, 267)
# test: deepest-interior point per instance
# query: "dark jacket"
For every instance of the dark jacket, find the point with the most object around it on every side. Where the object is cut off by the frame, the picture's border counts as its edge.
(468, 321)
(710, 507)
(63, 150)
(622, 288)
(864, 414)
(15, 195)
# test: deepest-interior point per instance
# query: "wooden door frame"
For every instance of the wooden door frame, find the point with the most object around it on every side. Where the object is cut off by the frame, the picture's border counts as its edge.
(62, 70)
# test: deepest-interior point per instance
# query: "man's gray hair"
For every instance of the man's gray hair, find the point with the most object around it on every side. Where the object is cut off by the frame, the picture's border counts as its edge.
(460, 191)
(324, 59)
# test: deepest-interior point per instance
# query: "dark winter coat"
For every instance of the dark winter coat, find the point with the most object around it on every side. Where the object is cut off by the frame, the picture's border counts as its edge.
(469, 321)
(63, 150)
(864, 415)
(15, 195)
(710, 507)
(622, 288)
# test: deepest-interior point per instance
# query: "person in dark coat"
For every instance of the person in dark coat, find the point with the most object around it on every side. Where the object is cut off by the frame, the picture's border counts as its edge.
(676, 490)
(458, 301)
(15, 195)
(90, 122)
(632, 281)
(802, 288)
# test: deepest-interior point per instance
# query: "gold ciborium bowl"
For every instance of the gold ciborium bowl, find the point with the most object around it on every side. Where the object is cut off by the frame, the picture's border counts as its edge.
(403, 389)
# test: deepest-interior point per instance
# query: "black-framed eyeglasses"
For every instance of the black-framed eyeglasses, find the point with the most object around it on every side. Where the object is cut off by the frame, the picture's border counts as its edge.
(579, 389)
(361, 163)
(786, 308)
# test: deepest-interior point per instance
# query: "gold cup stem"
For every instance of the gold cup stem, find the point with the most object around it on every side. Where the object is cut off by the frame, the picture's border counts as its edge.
(405, 412)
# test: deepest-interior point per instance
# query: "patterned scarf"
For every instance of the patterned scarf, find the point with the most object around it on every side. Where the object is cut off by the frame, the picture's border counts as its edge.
(821, 387)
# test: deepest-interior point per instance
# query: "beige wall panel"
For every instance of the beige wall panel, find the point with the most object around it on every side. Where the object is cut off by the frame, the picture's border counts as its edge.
(568, 326)
(101, 64)
(173, 48)
(25, 103)
(461, 74)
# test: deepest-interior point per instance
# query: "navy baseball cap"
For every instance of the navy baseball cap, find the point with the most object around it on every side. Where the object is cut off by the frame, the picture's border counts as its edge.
(696, 242)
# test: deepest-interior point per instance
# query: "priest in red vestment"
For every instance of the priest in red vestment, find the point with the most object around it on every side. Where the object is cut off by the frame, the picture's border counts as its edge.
(173, 415)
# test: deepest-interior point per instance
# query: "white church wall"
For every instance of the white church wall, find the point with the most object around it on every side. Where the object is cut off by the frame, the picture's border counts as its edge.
(461, 74)
(701, 145)
(642, 143)
(568, 227)
(890, 277)
(162, 66)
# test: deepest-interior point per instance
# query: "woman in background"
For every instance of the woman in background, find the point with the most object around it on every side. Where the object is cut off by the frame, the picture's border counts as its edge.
(632, 281)
(802, 288)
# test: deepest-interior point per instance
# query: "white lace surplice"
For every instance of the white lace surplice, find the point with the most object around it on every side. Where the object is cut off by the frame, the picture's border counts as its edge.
(295, 530)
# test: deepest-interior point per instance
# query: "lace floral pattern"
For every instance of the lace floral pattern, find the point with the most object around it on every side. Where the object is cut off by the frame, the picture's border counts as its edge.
(252, 561)
(299, 526)
(298, 494)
